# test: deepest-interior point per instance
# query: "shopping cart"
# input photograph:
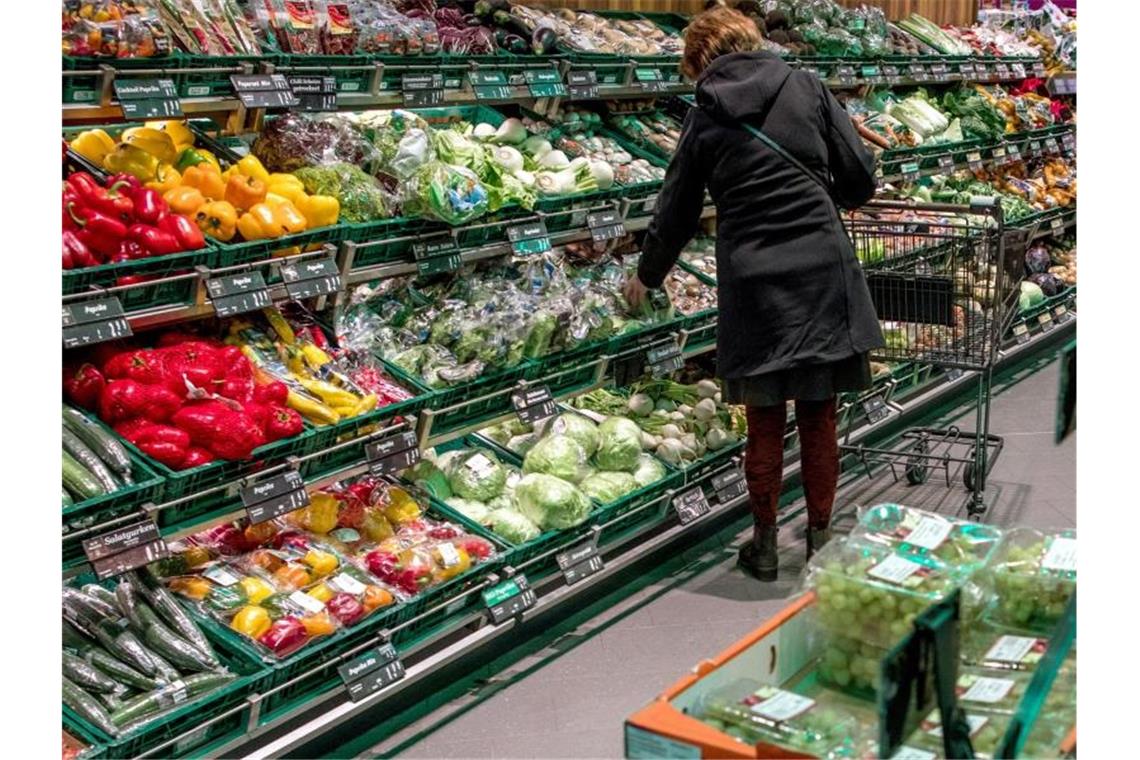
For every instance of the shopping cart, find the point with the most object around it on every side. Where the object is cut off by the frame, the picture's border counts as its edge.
(944, 289)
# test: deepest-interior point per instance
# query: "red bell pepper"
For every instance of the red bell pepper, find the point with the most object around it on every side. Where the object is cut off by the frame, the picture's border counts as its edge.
(239, 389)
(154, 433)
(158, 242)
(84, 385)
(282, 423)
(141, 366)
(196, 457)
(193, 361)
(162, 403)
(362, 490)
(238, 435)
(476, 548)
(345, 608)
(134, 430)
(285, 636)
(275, 392)
(187, 233)
(122, 400)
(234, 362)
(130, 250)
(150, 208)
(83, 185)
(201, 420)
(99, 232)
(76, 252)
(168, 454)
(115, 202)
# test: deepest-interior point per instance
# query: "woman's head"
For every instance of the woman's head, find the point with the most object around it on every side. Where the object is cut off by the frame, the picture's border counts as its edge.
(716, 32)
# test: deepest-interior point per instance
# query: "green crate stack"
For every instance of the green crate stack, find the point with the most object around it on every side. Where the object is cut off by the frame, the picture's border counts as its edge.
(82, 76)
(353, 73)
(203, 76)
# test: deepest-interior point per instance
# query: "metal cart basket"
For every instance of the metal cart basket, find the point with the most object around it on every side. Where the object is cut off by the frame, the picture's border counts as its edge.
(943, 288)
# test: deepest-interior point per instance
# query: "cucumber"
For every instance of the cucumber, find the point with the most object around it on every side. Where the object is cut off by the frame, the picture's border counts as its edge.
(75, 640)
(105, 446)
(168, 608)
(119, 670)
(113, 700)
(167, 673)
(89, 609)
(83, 674)
(168, 696)
(78, 479)
(181, 653)
(86, 457)
(102, 594)
(126, 646)
(127, 595)
(67, 500)
(87, 708)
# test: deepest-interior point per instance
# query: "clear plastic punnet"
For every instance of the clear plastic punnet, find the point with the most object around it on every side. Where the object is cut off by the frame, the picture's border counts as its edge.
(871, 593)
(1029, 579)
(961, 545)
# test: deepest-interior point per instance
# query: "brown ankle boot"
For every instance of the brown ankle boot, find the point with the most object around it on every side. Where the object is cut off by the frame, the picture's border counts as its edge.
(816, 538)
(758, 557)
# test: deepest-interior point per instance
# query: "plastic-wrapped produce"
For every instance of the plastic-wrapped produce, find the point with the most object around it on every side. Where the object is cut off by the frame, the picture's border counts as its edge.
(114, 29)
(452, 194)
(1030, 579)
(961, 545)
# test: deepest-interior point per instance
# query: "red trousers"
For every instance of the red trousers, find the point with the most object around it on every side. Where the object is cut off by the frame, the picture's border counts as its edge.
(819, 457)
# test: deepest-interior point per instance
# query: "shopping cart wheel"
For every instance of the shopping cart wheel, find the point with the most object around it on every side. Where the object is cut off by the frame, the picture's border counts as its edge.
(968, 477)
(916, 469)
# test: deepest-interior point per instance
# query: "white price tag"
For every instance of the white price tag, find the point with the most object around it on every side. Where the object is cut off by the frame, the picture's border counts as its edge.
(309, 604)
(1062, 555)
(985, 689)
(1011, 649)
(479, 464)
(780, 705)
(448, 554)
(346, 583)
(912, 753)
(221, 576)
(895, 569)
(929, 533)
(975, 722)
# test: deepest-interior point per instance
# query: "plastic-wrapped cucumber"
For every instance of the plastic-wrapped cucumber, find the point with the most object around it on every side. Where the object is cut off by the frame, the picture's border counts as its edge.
(119, 670)
(104, 595)
(172, 694)
(112, 700)
(167, 673)
(127, 596)
(86, 609)
(89, 459)
(87, 707)
(79, 479)
(67, 500)
(100, 441)
(83, 674)
(181, 653)
(74, 639)
(126, 646)
(173, 614)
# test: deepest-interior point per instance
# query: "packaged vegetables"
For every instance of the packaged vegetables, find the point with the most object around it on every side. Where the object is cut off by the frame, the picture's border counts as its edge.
(95, 463)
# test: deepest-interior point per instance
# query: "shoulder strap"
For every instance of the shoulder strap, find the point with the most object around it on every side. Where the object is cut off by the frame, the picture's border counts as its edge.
(779, 149)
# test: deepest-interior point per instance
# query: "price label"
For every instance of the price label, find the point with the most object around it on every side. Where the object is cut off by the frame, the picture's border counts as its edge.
(580, 562)
(582, 85)
(422, 90)
(649, 80)
(1035, 148)
(729, 485)
(1018, 70)
(691, 505)
(124, 549)
(891, 74)
(999, 156)
(1039, 70)
(238, 293)
(392, 455)
(97, 321)
(870, 73)
(534, 404)
(311, 278)
(939, 71)
(1045, 319)
(845, 74)
(437, 254)
(664, 359)
(544, 83)
(974, 160)
(1061, 315)
(917, 72)
(279, 495)
(1069, 142)
(953, 374)
(371, 672)
(946, 162)
(649, 205)
(966, 70)
(263, 90)
(813, 70)
(1021, 332)
(314, 93)
(605, 225)
(1002, 70)
(876, 409)
(148, 98)
(530, 238)
(490, 85)
(509, 599)
(1057, 224)
(1014, 153)
(910, 171)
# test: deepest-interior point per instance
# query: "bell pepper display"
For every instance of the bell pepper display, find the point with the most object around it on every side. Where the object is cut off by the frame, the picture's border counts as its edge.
(218, 219)
(244, 192)
(205, 178)
(84, 385)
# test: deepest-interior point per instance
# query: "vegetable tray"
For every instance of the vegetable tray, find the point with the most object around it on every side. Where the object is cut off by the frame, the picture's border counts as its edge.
(195, 713)
(384, 241)
(146, 295)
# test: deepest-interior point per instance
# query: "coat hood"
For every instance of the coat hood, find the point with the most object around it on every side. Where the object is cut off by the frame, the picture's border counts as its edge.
(741, 86)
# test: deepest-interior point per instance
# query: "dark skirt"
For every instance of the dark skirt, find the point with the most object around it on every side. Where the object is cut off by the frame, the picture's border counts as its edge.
(817, 382)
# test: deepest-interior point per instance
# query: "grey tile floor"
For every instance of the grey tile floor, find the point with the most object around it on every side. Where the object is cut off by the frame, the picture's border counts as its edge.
(569, 699)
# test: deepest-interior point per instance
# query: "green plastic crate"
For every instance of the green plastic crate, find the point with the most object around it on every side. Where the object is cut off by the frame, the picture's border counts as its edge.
(385, 241)
(82, 76)
(326, 436)
(145, 295)
(261, 251)
(203, 76)
(353, 73)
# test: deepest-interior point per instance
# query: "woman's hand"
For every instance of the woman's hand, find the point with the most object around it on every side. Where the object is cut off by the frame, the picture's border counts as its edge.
(634, 291)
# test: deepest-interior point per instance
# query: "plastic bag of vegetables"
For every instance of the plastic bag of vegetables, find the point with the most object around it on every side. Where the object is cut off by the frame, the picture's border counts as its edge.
(551, 503)
(477, 475)
(575, 426)
(361, 196)
(449, 193)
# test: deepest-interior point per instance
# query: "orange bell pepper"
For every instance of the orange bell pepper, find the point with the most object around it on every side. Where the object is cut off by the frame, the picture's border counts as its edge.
(191, 586)
(207, 179)
(244, 192)
(218, 219)
(292, 577)
(184, 200)
(375, 598)
(320, 624)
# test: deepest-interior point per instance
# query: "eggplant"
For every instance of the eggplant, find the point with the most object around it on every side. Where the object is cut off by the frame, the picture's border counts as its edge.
(517, 45)
(544, 41)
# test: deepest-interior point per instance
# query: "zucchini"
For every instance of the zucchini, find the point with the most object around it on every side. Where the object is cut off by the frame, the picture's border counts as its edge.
(78, 479)
(119, 670)
(105, 446)
(83, 674)
(87, 708)
(168, 696)
(86, 457)
(171, 611)
(181, 653)
(126, 646)
(67, 500)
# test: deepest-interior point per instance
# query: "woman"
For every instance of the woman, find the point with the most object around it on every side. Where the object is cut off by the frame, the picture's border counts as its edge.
(796, 318)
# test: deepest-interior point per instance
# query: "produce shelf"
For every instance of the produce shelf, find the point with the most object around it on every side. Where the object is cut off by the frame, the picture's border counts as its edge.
(930, 160)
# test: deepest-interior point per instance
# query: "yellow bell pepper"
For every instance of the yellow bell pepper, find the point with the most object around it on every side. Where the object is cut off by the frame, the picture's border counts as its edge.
(218, 219)
(285, 185)
(93, 144)
(133, 160)
(290, 218)
(402, 507)
(251, 621)
(321, 592)
(256, 589)
(319, 210)
(155, 142)
(184, 200)
(230, 172)
(322, 563)
(180, 133)
(260, 223)
(207, 179)
(166, 177)
(322, 514)
(250, 166)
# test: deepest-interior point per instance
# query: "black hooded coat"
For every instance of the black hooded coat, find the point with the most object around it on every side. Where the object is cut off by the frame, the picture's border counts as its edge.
(791, 292)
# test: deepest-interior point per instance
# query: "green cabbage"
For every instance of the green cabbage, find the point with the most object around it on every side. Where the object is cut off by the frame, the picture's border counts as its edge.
(619, 444)
(551, 503)
(649, 470)
(608, 487)
(476, 511)
(477, 474)
(557, 455)
(581, 429)
(513, 526)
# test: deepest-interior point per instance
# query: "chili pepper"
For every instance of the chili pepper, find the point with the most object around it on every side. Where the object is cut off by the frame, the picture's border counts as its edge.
(184, 200)
(285, 636)
(84, 385)
(184, 230)
(206, 179)
(346, 609)
(99, 232)
(218, 220)
(142, 366)
(150, 208)
(166, 177)
(76, 252)
(244, 192)
(157, 241)
(282, 422)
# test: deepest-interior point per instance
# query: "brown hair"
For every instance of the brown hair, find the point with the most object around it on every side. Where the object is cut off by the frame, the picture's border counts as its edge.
(716, 32)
